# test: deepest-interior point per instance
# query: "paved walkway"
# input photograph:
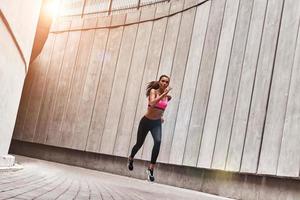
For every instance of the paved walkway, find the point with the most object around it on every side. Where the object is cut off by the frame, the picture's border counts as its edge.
(47, 180)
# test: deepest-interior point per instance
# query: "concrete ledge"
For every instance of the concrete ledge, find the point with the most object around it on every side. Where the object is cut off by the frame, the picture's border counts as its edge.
(7, 161)
(226, 184)
(15, 167)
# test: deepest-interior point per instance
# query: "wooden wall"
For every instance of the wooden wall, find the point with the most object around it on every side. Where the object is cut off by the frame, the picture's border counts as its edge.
(234, 68)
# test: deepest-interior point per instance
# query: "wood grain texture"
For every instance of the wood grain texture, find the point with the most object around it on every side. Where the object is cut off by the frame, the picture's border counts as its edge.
(231, 85)
(261, 87)
(177, 78)
(35, 100)
(216, 79)
(190, 84)
(24, 101)
(240, 120)
(92, 83)
(106, 80)
(277, 104)
(75, 91)
(49, 93)
(289, 159)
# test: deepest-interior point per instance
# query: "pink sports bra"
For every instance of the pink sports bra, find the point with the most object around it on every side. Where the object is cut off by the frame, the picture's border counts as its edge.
(161, 104)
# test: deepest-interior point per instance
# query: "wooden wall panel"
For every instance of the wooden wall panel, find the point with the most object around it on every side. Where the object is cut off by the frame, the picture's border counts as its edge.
(24, 102)
(49, 94)
(78, 78)
(190, 83)
(218, 84)
(35, 100)
(239, 126)
(64, 87)
(177, 78)
(62, 91)
(92, 83)
(106, 80)
(289, 159)
(83, 115)
(261, 87)
(231, 86)
(278, 98)
(206, 69)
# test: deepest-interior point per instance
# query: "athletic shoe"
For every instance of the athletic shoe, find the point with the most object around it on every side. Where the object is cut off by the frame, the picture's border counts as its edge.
(150, 174)
(130, 164)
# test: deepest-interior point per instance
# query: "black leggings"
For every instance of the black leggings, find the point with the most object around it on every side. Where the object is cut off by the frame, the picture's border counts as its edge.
(146, 125)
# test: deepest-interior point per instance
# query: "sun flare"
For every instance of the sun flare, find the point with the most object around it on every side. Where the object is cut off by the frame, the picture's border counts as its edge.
(52, 8)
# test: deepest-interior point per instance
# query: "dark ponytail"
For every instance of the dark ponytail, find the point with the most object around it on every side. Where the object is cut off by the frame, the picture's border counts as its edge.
(151, 85)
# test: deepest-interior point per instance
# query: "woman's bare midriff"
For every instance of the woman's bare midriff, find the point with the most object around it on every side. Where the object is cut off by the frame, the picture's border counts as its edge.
(154, 113)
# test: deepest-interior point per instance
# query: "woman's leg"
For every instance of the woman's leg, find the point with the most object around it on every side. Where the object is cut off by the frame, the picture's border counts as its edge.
(141, 136)
(156, 134)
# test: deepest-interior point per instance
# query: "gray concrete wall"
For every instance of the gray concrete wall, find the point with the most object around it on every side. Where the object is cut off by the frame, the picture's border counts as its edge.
(18, 21)
(234, 67)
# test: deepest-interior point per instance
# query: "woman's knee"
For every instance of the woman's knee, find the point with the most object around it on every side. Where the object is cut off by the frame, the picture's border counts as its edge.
(138, 145)
(157, 143)
(157, 140)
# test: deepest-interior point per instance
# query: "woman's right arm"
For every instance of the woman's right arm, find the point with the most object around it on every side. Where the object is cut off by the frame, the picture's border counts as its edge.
(153, 99)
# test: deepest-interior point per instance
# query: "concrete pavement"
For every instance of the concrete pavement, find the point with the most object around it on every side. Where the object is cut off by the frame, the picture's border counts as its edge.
(41, 179)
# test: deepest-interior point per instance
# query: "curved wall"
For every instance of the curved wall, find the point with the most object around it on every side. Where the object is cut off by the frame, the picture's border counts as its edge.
(234, 67)
(15, 50)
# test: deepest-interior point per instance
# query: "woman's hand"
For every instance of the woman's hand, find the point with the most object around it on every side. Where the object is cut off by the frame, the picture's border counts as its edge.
(167, 90)
(162, 120)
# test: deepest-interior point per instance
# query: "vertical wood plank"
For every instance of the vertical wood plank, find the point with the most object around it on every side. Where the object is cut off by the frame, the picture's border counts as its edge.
(50, 85)
(289, 159)
(165, 67)
(63, 87)
(177, 79)
(261, 87)
(35, 100)
(246, 84)
(170, 41)
(206, 68)
(83, 115)
(232, 84)
(24, 102)
(106, 78)
(217, 86)
(80, 69)
(190, 83)
(277, 106)
(105, 81)
(93, 78)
